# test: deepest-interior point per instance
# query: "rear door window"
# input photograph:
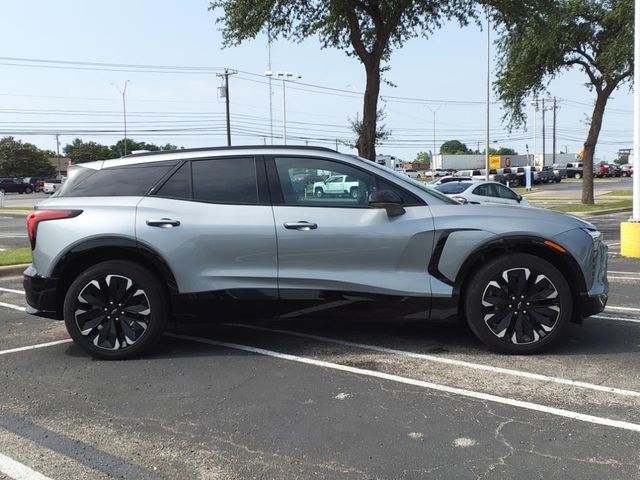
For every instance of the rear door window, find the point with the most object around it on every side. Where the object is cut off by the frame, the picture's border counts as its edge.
(225, 180)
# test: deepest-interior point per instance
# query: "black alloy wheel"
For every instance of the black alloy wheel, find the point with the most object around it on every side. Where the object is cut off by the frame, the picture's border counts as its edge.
(518, 303)
(115, 310)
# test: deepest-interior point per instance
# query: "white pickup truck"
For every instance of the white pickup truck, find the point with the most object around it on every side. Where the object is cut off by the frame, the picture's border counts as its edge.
(337, 185)
(52, 185)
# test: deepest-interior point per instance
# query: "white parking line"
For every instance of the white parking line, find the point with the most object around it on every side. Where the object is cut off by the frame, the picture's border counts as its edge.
(420, 383)
(18, 471)
(616, 319)
(622, 309)
(14, 307)
(34, 347)
(448, 361)
(613, 277)
(11, 290)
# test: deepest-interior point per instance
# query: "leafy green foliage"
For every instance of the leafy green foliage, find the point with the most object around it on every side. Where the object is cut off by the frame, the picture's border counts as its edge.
(80, 152)
(454, 147)
(540, 39)
(18, 159)
(367, 29)
(423, 157)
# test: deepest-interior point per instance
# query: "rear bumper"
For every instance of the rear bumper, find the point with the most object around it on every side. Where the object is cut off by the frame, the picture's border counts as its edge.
(40, 293)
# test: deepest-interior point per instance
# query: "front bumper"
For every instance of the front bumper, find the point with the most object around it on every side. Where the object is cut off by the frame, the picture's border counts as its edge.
(40, 293)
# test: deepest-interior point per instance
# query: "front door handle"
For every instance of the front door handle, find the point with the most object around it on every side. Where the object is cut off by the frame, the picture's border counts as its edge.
(301, 225)
(163, 223)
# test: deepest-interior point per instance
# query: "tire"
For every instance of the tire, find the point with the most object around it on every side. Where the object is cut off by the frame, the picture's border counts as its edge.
(319, 193)
(540, 315)
(354, 193)
(577, 176)
(28, 190)
(93, 299)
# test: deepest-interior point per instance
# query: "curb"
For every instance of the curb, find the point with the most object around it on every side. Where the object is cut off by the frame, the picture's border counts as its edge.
(13, 270)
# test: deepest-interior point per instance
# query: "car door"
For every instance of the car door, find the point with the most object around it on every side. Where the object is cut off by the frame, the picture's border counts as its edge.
(487, 193)
(212, 223)
(339, 244)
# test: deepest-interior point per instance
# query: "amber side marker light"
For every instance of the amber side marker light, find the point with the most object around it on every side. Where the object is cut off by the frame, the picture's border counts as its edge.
(555, 246)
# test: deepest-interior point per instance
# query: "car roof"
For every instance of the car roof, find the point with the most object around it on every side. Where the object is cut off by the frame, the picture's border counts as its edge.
(207, 152)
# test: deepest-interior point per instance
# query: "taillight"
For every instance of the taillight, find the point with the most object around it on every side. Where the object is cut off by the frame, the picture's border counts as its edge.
(43, 215)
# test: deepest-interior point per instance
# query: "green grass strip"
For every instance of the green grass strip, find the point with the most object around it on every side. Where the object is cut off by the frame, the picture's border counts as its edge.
(15, 256)
(579, 207)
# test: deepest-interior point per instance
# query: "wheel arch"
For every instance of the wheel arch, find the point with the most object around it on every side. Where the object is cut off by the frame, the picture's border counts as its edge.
(88, 253)
(532, 245)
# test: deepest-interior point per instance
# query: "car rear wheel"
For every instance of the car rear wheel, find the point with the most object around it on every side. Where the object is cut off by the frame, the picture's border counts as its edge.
(518, 303)
(577, 175)
(28, 190)
(116, 310)
(354, 192)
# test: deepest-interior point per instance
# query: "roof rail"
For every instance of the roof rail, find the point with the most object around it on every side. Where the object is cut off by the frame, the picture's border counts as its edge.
(239, 147)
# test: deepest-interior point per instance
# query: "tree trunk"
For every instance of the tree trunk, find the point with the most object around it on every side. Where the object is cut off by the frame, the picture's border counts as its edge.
(367, 139)
(590, 146)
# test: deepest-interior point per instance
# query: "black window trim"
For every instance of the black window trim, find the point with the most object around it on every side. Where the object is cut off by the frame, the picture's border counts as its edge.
(276, 189)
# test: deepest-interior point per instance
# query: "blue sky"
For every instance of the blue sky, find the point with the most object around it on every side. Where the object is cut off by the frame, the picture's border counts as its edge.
(447, 68)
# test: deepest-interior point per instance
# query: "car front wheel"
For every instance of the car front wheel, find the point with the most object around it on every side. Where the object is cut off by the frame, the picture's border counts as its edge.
(116, 310)
(518, 303)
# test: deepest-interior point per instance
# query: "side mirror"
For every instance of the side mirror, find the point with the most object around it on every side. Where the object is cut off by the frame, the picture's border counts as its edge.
(389, 200)
(519, 198)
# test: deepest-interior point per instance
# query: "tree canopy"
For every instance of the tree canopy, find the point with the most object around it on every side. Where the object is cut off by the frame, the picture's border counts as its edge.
(18, 159)
(454, 147)
(79, 151)
(539, 39)
(367, 29)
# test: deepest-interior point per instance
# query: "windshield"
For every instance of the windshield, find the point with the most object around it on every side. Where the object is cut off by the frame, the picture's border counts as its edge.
(406, 179)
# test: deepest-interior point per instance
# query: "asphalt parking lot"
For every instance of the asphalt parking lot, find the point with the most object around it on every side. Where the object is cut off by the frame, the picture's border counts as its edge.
(319, 398)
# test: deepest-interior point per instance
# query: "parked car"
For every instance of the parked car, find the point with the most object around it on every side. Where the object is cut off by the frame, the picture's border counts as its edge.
(574, 170)
(480, 174)
(450, 178)
(14, 185)
(413, 173)
(614, 170)
(51, 185)
(601, 171)
(37, 183)
(128, 244)
(510, 177)
(626, 170)
(481, 193)
(549, 175)
(337, 185)
(559, 170)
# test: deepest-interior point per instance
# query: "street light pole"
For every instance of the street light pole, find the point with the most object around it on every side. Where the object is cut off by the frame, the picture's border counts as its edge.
(285, 77)
(123, 92)
(434, 132)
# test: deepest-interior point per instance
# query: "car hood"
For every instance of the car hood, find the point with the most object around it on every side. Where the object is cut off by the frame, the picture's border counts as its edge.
(500, 219)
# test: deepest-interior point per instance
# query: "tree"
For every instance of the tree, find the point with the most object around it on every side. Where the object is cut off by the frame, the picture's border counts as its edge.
(539, 39)
(382, 133)
(423, 157)
(454, 147)
(19, 159)
(366, 29)
(504, 151)
(80, 152)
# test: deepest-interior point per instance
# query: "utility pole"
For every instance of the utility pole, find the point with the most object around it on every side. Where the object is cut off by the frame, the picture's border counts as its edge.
(58, 152)
(486, 156)
(270, 83)
(543, 134)
(226, 74)
(555, 107)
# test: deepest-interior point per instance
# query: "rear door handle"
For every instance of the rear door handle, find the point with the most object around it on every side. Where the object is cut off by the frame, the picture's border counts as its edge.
(302, 225)
(163, 223)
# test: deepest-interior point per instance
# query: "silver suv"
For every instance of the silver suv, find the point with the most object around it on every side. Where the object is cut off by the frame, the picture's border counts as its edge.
(127, 245)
